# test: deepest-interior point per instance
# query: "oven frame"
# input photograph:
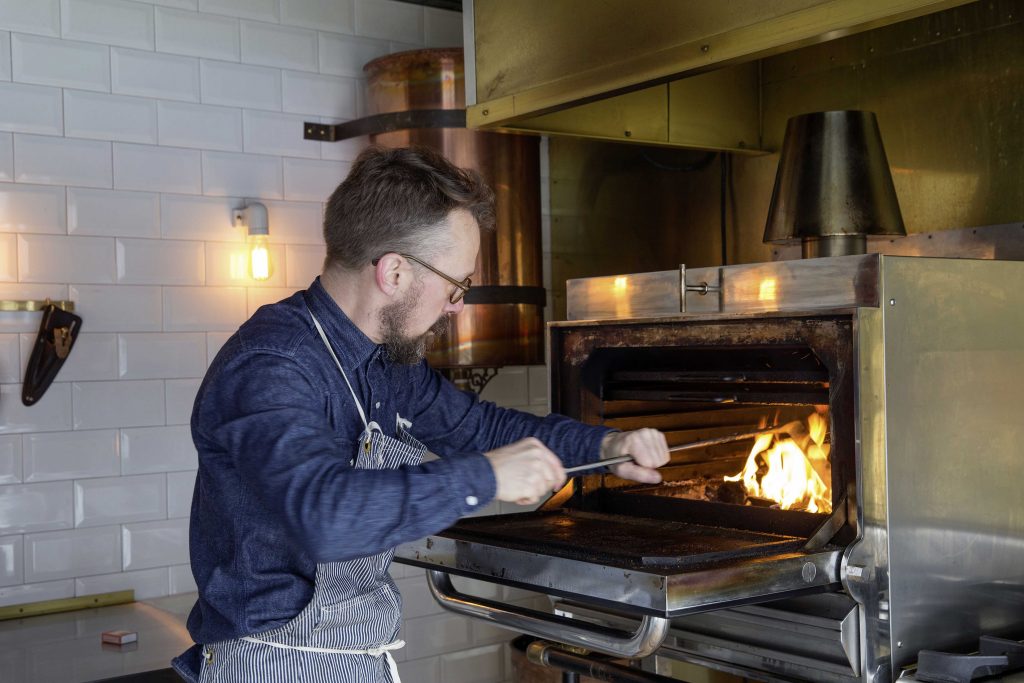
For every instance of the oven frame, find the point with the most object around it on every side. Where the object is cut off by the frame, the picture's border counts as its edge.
(939, 368)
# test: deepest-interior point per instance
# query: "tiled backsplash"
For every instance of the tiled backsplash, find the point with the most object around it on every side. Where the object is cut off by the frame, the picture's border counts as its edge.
(128, 133)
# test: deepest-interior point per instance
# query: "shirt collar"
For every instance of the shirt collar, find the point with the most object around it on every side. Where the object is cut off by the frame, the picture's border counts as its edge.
(350, 344)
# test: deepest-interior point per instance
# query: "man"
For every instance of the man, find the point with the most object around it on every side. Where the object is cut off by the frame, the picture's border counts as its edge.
(309, 470)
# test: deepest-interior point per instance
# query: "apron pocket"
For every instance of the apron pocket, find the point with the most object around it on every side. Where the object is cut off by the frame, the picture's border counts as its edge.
(366, 620)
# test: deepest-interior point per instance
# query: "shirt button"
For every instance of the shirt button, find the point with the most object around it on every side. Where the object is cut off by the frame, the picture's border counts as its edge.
(472, 501)
(377, 405)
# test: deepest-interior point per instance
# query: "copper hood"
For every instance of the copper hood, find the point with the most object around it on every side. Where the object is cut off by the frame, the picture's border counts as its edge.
(503, 320)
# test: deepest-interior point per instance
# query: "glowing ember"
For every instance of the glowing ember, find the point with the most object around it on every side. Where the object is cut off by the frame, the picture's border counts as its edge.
(791, 467)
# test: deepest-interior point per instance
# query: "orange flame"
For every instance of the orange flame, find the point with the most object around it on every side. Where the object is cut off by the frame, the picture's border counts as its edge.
(799, 473)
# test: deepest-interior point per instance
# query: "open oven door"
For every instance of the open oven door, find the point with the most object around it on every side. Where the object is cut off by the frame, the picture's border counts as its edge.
(629, 554)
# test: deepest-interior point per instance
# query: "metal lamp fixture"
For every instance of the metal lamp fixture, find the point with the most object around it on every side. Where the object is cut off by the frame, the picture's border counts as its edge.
(254, 218)
(833, 188)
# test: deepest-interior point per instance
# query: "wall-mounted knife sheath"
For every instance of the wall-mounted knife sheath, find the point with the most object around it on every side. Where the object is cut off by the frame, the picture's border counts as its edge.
(58, 331)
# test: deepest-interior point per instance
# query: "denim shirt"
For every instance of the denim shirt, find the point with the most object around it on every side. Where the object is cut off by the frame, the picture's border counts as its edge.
(276, 430)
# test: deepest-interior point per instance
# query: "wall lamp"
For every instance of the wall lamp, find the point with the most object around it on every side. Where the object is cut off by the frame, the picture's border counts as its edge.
(254, 217)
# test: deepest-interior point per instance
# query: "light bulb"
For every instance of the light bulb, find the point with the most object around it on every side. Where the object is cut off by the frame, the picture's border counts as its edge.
(257, 241)
(259, 256)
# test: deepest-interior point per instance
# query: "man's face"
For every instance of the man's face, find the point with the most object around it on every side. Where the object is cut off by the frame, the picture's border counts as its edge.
(409, 324)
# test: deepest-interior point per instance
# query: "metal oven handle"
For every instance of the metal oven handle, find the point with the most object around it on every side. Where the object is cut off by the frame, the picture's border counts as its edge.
(647, 637)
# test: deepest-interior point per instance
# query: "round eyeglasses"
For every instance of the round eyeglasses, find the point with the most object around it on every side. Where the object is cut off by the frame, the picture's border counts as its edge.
(461, 287)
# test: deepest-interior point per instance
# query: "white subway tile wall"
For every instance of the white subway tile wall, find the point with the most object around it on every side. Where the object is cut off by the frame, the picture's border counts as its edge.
(281, 46)
(112, 500)
(145, 450)
(109, 117)
(31, 109)
(180, 394)
(41, 16)
(150, 74)
(12, 560)
(6, 155)
(61, 161)
(128, 133)
(155, 544)
(59, 456)
(201, 126)
(315, 94)
(160, 262)
(10, 459)
(188, 33)
(10, 359)
(33, 208)
(179, 492)
(240, 85)
(8, 258)
(112, 22)
(51, 61)
(325, 15)
(113, 213)
(242, 175)
(55, 555)
(254, 9)
(157, 169)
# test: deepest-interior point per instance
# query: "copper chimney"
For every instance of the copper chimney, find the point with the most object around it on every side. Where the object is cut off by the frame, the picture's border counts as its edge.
(833, 187)
(503, 322)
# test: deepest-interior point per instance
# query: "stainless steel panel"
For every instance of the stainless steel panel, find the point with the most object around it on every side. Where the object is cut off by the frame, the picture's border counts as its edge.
(638, 295)
(810, 284)
(999, 242)
(954, 387)
(797, 644)
(865, 569)
(637, 591)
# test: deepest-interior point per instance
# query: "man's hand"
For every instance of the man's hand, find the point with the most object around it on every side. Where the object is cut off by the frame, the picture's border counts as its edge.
(648, 448)
(525, 470)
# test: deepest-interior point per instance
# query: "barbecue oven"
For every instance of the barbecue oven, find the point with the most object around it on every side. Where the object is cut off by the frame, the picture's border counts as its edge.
(843, 492)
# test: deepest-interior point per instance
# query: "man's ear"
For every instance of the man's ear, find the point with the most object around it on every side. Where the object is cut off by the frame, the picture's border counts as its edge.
(389, 274)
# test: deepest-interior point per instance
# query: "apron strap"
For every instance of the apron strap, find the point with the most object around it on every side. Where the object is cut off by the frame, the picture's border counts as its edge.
(372, 651)
(359, 406)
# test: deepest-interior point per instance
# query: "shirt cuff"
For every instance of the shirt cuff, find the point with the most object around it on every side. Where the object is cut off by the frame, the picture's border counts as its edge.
(592, 444)
(473, 485)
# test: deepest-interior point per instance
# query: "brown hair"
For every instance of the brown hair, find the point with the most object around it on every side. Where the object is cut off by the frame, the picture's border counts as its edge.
(395, 200)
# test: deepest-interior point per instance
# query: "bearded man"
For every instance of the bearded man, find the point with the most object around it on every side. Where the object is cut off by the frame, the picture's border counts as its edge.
(312, 422)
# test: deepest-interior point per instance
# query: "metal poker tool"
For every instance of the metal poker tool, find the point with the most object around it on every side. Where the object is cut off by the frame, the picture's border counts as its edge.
(714, 441)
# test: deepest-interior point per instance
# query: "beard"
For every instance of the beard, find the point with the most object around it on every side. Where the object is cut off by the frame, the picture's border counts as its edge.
(400, 347)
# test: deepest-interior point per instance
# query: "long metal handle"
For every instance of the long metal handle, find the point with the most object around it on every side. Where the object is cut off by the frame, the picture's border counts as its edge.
(647, 638)
(608, 462)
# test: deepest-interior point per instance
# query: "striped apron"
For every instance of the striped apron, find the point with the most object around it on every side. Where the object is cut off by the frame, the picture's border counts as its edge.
(347, 631)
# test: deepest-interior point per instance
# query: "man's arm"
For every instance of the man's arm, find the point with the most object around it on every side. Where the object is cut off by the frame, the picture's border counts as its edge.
(452, 421)
(264, 417)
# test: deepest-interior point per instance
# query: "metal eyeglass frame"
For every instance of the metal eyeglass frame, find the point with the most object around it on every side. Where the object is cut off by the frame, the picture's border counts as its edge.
(461, 288)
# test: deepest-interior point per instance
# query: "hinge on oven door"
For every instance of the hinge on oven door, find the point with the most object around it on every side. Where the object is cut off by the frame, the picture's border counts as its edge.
(829, 528)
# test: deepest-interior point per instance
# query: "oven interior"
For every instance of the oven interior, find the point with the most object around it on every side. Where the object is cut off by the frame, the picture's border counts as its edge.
(702, 385)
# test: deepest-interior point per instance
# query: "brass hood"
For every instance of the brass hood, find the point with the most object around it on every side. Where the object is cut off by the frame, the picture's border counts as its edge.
(665, 72)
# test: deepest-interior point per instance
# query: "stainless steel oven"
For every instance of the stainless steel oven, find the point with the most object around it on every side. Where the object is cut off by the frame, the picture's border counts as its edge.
(845, 491)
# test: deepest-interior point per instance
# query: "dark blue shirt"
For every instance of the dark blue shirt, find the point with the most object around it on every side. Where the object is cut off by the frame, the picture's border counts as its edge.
(276, 429)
